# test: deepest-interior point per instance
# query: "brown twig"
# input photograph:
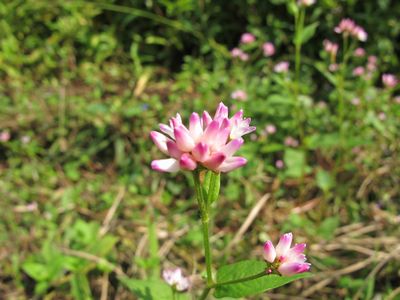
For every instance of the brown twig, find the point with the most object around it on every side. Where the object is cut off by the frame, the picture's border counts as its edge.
(110, 214)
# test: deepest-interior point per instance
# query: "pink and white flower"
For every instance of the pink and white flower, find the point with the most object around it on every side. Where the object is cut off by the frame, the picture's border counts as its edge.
(359, 52)
(282, 67)
(268, 49)
(5, 136)
(208, 142)
(349, 27)
(247, 38)
(270, 129)
(285, 260)
(358, 71)
(306, 2)
(239, 95)
(238, 53)
(389, 80)
(331, 48)
(175, 278)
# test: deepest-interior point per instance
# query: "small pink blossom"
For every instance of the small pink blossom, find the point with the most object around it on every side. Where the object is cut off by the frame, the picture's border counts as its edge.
(239, 95)
(372, 59)
(285, 260)
(397, 99)
(333, 67)
(349, 27)
(268, 49)
(291, 142)
(279, 164)
(389, 80)
(331, 48)
(5, 136)
(238, 53)
(358, 71)
(305, 2)
(282, 67)
(382, 116)
(25, 139)
(175, 279)
(355, 101)
(247, 38)
(270, 129)
(359, 52)
(208, 142)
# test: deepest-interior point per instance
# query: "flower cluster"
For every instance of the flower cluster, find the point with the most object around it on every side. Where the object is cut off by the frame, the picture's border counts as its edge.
(389, 80)
(349, 27)
(331, 48)
(282, 67)
(238, 53)
(285, 260)
(175, 278)
(208, 142)
(306, 2)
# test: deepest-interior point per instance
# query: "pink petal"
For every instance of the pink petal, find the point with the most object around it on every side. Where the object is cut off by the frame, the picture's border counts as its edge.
(211, 132)
(165, 165)
(167, 130)
(269, 252)
(232, 147)
(222, 111)
(177, 121)
(232, 163)
(183, 139)
(186, 162)
(289, 269)
(299, 248)
(206, 119)
(200, 152)
(160, 140)
(284, 244)
(173, 150)
(214, 161)
(195, 127)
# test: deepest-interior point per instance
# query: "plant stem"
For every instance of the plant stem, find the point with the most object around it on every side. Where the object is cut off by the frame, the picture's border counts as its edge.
(205, 220)
(252, 277)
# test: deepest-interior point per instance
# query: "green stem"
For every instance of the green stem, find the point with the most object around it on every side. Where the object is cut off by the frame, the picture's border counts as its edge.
(252, 277)
(205, 220)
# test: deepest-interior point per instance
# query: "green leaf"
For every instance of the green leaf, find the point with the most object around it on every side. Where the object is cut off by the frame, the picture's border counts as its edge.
(37, 271)
(80, 287)
(307, 33)
(325, 180)
(327, 228)
(295, 161)
(151, 289)
(252, 287)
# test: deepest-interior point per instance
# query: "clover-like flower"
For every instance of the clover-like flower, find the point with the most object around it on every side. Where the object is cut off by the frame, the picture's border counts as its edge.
(208, 142)
(175, 278)
(285, 260)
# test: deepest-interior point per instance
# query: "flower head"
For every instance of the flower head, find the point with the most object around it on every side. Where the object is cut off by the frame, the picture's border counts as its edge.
(355, 101)
(175, 279)
(238, 53)
(208, 142)
(285, 260)
(358, 71)
(239, 95)
(305, 2)
(349, 27)
(268, 49)
(282, 67)
(331, 48)
(247, 38)
(359, 52)
(389, 80)
(5, 136)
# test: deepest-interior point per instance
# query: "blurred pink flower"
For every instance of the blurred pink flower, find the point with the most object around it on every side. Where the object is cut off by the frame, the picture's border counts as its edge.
(285, 260)
(358, 71)
(389, 80)
(175, 279)
(247, 38)
(209, 142)
(270, 129)
(268, 49)
(238, 53)
(372, 59)
(5, 136)
(291, 142)
(239, 95)
(349, 27)
(282, 67)
(279, 164)
(306, 2)
(331, 48)
(333, 67)
(355, 101)
(321, 104)
(25, 139)
(397, 99)
(359, 52)
(382, 116)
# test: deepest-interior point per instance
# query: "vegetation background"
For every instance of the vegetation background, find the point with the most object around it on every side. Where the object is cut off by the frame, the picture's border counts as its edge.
(82, 85)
